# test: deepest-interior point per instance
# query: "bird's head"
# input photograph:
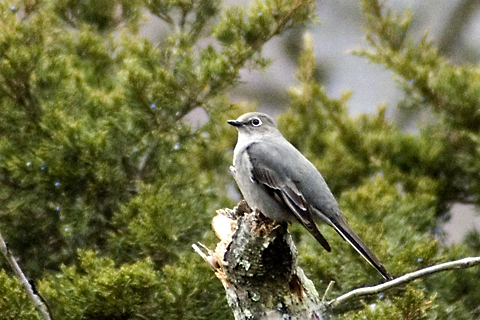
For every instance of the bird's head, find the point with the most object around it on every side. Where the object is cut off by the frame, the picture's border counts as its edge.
(254, 123)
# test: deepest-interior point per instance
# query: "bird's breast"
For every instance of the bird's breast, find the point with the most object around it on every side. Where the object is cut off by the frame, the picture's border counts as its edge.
(257, 195)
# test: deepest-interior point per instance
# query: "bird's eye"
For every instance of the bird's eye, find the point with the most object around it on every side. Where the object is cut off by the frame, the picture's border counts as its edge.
(255, 122)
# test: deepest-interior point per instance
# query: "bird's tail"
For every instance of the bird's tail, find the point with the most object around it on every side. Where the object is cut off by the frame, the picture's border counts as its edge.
(351, 237)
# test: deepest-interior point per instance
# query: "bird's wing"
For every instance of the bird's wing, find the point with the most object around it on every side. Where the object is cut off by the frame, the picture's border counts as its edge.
(286, 192)
(274, 176)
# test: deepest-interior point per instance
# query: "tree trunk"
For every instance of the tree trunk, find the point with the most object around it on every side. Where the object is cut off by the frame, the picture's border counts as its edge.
(256, 261)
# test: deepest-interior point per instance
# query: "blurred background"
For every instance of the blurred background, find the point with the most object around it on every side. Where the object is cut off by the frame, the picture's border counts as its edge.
(453, 25)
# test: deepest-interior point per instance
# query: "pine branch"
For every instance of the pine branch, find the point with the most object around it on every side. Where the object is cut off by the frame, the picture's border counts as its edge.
(409, 277)
(34, 297)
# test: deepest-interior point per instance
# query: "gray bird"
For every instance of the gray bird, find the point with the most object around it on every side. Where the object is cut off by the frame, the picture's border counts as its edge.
(275, 178)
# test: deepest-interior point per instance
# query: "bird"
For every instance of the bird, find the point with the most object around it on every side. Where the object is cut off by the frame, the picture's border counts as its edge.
(275, 178)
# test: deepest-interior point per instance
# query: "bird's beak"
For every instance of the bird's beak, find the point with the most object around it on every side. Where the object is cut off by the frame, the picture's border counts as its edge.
(234, 123)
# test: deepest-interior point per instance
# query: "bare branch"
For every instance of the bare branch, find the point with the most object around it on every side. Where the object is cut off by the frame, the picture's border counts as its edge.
(362, 292)
(37, 301)
(329, 288)
(248, 239)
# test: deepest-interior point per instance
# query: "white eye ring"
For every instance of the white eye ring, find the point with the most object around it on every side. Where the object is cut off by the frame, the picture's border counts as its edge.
(256, 122)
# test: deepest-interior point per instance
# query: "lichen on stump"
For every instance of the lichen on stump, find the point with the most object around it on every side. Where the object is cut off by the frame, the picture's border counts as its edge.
(256, 261)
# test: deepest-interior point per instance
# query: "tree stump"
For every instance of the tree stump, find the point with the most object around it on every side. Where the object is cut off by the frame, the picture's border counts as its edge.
(256, 261)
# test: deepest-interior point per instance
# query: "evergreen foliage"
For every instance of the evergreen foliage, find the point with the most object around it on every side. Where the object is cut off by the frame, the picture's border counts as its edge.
(395, 188)
(14, 302)
(104, 186)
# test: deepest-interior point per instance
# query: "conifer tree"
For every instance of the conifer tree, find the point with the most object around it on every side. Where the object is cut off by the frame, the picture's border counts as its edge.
(104, 186)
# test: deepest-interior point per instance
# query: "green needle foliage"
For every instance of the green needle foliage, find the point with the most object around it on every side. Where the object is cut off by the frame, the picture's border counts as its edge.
(104, 186)
(395, 187)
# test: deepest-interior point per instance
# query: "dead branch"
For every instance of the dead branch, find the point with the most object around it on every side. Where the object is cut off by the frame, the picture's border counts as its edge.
(37, 301)
(362, 292)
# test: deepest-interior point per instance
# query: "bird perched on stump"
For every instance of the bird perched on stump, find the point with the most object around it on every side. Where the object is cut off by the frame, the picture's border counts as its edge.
(275, 178)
